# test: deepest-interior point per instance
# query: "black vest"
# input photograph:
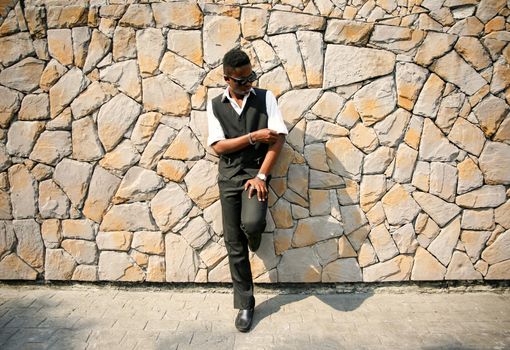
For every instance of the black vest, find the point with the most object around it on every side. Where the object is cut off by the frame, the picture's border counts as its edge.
(253, 117)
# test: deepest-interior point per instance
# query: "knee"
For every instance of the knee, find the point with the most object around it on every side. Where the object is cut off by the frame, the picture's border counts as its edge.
(253, 227)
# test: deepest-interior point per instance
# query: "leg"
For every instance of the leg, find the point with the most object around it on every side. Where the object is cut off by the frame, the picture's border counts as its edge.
(253, 219)
(236, 244)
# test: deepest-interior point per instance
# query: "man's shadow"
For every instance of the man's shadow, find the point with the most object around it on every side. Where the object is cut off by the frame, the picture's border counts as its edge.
(339, 302)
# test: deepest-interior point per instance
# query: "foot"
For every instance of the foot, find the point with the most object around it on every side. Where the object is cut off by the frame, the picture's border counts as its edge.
(254, 242)
(244, 319)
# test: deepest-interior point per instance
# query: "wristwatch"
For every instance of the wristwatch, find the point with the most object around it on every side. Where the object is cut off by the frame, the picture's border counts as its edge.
(262, 177)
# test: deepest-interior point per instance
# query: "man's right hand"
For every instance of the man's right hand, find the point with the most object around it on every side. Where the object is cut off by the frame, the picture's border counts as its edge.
(265, 136)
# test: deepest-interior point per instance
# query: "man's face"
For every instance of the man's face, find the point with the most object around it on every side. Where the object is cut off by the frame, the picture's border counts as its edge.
(239, 73)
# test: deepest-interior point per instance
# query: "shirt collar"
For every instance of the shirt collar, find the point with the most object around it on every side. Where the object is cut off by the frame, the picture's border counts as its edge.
(226, 95)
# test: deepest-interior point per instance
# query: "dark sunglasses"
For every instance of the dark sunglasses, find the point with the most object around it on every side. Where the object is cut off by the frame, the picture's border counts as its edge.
(243, 81)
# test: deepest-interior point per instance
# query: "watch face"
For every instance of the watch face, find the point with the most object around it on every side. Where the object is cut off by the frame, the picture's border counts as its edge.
(262, 177)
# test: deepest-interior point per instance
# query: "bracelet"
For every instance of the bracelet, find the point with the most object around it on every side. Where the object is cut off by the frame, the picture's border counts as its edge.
(250, 139)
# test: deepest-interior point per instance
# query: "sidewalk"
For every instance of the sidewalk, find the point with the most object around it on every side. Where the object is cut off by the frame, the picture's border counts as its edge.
(103, 317)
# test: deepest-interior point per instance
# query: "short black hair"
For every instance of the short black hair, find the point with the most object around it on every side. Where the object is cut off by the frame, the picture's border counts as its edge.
(235, 58)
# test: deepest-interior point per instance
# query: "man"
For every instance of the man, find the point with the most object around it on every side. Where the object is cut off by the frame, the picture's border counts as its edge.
(247, 130)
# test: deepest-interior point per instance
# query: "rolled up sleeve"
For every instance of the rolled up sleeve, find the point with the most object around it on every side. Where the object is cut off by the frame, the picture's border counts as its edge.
(214, 127)
(275, 120)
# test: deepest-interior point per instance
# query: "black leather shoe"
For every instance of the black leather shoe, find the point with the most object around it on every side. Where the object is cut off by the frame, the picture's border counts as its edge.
(244, 319)
(254, 242)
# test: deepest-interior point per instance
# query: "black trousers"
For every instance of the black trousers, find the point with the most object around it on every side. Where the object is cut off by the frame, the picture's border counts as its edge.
(242, 218)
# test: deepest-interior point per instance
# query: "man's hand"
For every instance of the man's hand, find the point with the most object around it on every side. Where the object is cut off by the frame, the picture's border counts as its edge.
(257, 186)
(265, 136)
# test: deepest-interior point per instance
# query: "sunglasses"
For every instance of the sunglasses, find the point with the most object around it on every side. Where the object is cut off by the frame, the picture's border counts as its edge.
(243, 81)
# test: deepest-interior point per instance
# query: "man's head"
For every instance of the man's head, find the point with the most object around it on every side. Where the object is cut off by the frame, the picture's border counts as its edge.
(237, 72)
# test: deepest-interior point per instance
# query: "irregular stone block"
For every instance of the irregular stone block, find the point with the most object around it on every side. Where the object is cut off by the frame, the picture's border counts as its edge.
(66, 89)
(118, 266)
(115, 240)
(60, 45)
(10, 102)
(426, 267)
(287, 49)
(150, 46)
(495, 162)
(353, 218)
(159, 143)
(364, 64)
(138, 16)
(405, 161)
(83, 252)
(163, 95)
(376, 100)
(128, 217)
(185, 146)
(30, 246)
(181, 260)
(405, 239)
(299, 265)
(177, 15)
(348, 32)
(397, 269)
(15, 47)
(343, 158)
(150, 242)
(50, 75)
(86, 144)
(342, 270)
(115, 118)
(169, 206)
(24, 76)
(121, 158)
(305, 234)
(182, 71)
(443, 180)
(377, 161)
(98, 48)
(53, 203)
(434, 145)
(187, 44)
(486, 196)
(51, 147)
(399, 206)
(21, 137)
(73, 177)
(449, 111)
(125, 76)
(427, 104)
(452, 68)
(435, 45)
(14, 268)
(440, 211)
(311, 46)
(442, 246)
(254, 22)
(470, 177)
(138, 185)
(372, 188)
(23, 192)
(34, 107)
(409, 80)
(220, 34)
(396, 39)
(467, 136)
(196, 233)
(499, 271)
(201, 182)
(285, 22)
(490, 112)
(461, 268)
(124, 43)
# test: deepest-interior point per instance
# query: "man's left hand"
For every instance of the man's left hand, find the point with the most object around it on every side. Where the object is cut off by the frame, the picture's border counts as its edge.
(257, 186)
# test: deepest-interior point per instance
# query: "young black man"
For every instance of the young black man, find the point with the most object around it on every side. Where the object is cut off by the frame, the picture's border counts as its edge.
(247, 131)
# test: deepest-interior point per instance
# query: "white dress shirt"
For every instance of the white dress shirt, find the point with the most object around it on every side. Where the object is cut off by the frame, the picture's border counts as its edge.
(274, 121)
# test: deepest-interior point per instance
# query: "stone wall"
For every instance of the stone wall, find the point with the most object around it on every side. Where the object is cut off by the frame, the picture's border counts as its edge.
(396, 167)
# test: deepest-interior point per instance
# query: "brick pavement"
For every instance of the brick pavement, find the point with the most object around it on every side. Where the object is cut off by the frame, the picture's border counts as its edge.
(106, 317)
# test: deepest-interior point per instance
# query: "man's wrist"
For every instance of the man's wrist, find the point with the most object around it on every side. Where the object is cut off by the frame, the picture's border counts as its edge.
(250, 139)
